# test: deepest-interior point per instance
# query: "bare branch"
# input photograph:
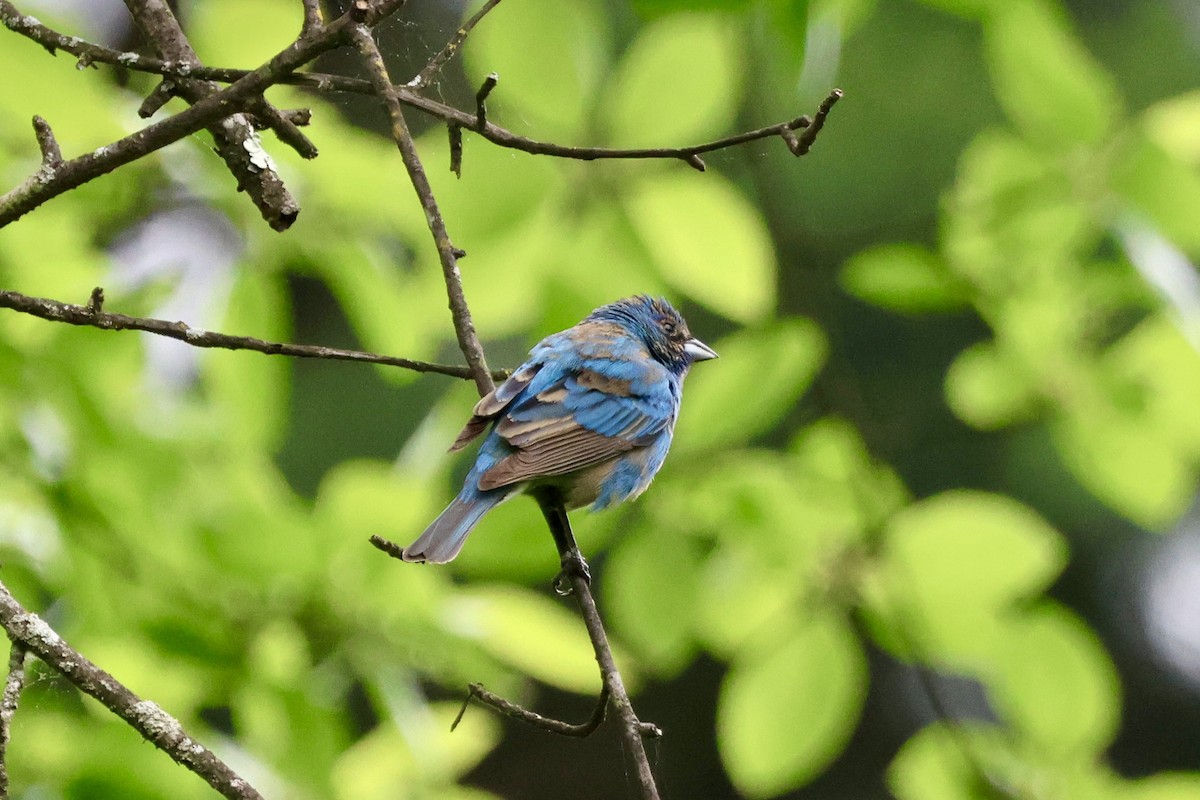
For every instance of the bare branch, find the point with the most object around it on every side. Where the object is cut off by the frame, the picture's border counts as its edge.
(575, 570)
(452, 116)
(234, 137)
(39, 188)
(146, 717)
(91, 315)
(510, 709)
(312, 17)
(426, 76)
(464, 327)
(14, 684)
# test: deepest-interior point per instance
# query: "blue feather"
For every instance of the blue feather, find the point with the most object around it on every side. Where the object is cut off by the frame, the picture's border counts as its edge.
(591, 413)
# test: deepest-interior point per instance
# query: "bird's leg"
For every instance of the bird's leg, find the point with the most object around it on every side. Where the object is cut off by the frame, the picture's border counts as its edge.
(573, 563)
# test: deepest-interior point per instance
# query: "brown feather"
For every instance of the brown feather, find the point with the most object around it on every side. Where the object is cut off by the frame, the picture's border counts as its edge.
(572, 449)
(601, 383)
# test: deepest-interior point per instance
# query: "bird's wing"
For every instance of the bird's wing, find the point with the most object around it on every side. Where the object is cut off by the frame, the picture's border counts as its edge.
(495, 401)
(593, 409)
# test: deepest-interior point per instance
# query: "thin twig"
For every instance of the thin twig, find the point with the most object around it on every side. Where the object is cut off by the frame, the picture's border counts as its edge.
(13, 686)
(51, 153)
(464, 327)
(426, 76)
(39, 188)
(633, 730)
(481, 97)
(90, 316)
(323, 82)
(510, 709)
(146, 717)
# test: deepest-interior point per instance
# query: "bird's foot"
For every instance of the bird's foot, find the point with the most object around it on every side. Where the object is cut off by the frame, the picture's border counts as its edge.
(573, 566)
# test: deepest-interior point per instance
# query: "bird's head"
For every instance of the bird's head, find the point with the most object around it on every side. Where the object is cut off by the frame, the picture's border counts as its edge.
(660, 327)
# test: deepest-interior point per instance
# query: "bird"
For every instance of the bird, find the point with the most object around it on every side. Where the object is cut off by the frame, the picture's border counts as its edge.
(587, 419)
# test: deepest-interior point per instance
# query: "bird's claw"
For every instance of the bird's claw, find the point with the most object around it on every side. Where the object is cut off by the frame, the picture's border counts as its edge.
(573, 566)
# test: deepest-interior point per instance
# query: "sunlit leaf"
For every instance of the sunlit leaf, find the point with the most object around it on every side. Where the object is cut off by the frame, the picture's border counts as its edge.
(1160, 188)
(651, 593)
(1053, 682)
(707, 241)
(676, 83)
(902, 277)
(529, 631)
(1048, 84)
(732, 399)
(952, 562)
(243, 384)
(786, 710)
(1174, 125)
(518, 42)
(945, 763)
(986, 389)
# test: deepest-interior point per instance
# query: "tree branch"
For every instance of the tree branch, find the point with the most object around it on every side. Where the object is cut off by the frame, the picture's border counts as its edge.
(464, 327)
(575, 570)
(13, 686)
(91, 315)
(235, 139)
(146, 717)
(426, 76)
(510, 709)
(40, 187)
(502, 137)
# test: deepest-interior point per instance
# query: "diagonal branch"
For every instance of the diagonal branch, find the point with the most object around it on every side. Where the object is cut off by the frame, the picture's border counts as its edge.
(427, 75)
(464, 327)
(40, 187)
(157, 726)
(91, 315)
(235, 139)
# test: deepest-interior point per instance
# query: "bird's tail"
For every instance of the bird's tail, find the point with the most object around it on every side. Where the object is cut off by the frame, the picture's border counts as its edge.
(444, 537)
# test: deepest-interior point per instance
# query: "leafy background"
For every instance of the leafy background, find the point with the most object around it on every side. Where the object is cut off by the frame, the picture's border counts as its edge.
(928, 530)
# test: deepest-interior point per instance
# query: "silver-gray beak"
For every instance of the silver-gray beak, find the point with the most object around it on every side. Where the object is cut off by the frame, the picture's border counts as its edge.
(698, 351)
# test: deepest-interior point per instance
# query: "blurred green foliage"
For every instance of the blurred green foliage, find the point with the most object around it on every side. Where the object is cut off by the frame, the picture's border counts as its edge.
(160, 529)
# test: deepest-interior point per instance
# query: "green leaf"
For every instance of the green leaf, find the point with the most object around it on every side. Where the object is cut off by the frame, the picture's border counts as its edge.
(1124, 460)
(1052, 681)
(234, 33)
(249, 393)
(529, 632)
(1174, 125)
(988, 390)
(707, 241)
(954, 562)
(1048, 84)
(1162, 188)
(677, 83)
(906, 278)
(651, 591)
(1164, 786)
(786, 710)
(944, 763)
(732, 399)
(549, 64)
(971, 9)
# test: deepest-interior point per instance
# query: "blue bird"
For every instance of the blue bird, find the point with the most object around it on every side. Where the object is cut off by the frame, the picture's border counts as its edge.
(588, 418)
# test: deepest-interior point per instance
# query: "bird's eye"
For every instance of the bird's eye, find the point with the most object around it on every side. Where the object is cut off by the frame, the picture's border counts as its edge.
(668, 327)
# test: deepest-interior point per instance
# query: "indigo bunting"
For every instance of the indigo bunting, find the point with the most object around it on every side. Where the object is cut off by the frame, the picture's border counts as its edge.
(588, 416)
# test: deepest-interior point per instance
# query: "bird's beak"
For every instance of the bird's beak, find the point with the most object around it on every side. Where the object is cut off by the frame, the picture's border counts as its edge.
(698, 350)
